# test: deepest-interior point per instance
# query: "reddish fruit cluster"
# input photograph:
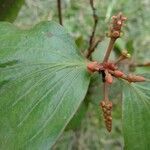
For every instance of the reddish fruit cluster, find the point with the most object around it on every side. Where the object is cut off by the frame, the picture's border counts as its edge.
(108, 70)
(118, 73)
(107, 108)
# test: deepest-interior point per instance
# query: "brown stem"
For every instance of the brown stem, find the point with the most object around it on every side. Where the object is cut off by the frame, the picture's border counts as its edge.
(141, 65)
(105, 89)
(59, 11)
(91, 48)
(119, 60)
(109, 49)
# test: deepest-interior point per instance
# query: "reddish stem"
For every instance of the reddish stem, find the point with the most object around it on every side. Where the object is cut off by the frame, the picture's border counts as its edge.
(105, 89)
(108, 51)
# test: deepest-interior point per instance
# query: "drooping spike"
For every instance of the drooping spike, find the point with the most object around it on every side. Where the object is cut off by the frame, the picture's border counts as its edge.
(107, 108)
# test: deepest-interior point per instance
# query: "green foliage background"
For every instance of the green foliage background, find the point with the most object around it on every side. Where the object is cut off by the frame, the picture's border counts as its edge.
(9, 9)
(89, 133)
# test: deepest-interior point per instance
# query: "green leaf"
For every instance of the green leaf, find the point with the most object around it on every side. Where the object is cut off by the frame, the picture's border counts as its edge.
(75, 122)
(9, 9)
(110, 9)
(141, 70)
(119, 46)
(129, 46)
(136, 115)
(43, 80)
(79, 41)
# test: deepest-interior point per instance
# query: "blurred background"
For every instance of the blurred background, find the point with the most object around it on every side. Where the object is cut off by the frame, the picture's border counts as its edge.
(86, 131)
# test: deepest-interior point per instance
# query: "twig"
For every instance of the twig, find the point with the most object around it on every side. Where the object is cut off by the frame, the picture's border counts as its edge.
(124, 55)
(105, 89)
(91, 48)
(59, 11)
(147, 64)
(110, 47)
(95, 17)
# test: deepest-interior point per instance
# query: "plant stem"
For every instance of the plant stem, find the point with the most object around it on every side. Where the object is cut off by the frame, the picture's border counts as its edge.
(91, 48)
(147, 64)
(119, 60)
(105, 89)
(59, 11)
(109, 49)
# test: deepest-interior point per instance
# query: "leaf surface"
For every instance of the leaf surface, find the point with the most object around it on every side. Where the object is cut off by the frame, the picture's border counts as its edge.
(136, 115)
(43, 80)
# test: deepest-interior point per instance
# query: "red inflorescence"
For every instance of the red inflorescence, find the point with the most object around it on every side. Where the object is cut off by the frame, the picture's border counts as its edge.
(115, 29)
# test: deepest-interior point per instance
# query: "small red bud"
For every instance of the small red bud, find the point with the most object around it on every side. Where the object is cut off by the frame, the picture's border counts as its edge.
(109, 106)
(119, 22)
(124, 18)
(114, 17)
(118, 73)
(109, 78)
(102, 103)
(116, 34)
(93, 66)
(109, 118)
(134, 78)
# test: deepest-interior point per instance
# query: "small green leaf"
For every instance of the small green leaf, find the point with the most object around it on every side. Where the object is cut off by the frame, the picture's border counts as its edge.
(119, 46)
(43, 80)
(129, 46)
(136, 115)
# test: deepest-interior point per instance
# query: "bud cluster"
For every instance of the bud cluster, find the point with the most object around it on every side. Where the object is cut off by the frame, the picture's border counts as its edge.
(107, 108)
(115, 29)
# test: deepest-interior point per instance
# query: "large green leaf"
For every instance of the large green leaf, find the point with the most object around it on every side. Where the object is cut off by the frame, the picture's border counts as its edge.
(43, 80)
(75, 122)
(136, 116)
(9, 9)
